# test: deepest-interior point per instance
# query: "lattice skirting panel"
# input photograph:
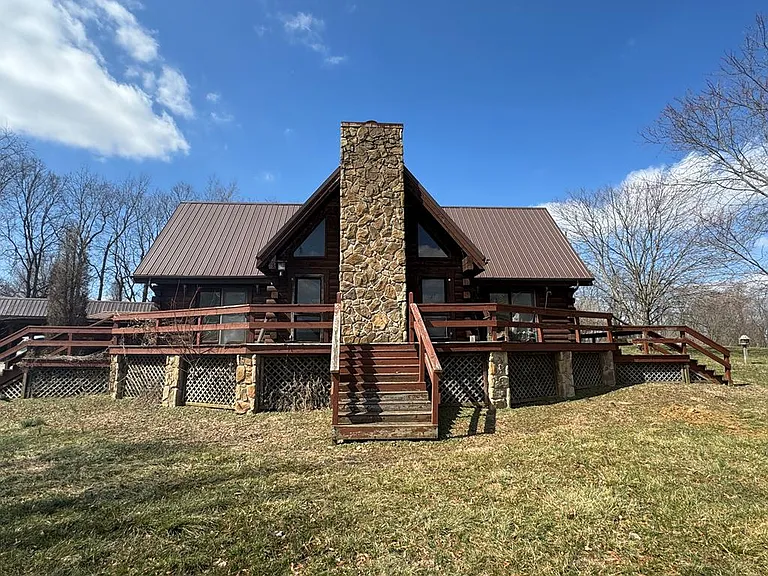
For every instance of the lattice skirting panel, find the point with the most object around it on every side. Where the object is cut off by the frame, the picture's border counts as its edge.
(586, 371)
(144, 375)
(14, 390)
(639, 372)
(48, 382)
(211, 381)
(531, 377)
(462, 380)
(295, 382)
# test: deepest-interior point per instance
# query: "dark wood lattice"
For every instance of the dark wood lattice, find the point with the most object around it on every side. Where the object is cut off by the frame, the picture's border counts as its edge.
(639, 372)
(211, 381)
(14, 390)
(586, 371)
(286, 379)
(144, 375)
(49, 382)
(531, 377)
(462, 379)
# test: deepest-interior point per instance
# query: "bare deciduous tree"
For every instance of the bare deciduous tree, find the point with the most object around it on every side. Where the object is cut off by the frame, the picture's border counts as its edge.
(724, 127)
(32, 208)
(640, 242)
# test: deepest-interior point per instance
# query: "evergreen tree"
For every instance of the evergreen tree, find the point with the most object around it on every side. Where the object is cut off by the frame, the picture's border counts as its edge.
(68, 288)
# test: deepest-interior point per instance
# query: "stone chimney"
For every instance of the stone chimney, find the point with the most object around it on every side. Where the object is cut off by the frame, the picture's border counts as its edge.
(372, 259)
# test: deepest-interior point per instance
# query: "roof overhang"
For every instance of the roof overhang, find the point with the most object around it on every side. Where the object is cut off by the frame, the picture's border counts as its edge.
(299, 219)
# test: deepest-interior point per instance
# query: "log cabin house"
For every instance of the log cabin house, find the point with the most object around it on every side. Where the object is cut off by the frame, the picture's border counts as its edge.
(390, 302)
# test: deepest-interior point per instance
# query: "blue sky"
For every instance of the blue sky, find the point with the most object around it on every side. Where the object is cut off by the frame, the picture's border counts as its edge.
(502, 103)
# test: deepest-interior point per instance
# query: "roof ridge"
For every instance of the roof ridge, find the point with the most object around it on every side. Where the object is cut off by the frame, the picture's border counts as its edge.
(501, 207)
(243, 203)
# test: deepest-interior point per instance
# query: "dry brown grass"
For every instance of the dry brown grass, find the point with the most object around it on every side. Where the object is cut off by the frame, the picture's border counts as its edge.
(653, 479)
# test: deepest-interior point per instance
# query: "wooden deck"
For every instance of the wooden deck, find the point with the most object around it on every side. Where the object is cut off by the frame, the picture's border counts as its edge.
(378, 391)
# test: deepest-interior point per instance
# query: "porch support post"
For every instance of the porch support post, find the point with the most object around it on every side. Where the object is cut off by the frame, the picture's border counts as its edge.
(564, 374)
(247, 377)
(498, 379)
(173, 390)
(607, 369)
(117, 373)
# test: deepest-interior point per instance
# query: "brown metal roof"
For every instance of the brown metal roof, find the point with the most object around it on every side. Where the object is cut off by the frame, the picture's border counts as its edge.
(12, 307)
(215, 240)
(520, 243)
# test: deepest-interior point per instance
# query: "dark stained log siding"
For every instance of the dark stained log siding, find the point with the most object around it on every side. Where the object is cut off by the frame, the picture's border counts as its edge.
(418, 268)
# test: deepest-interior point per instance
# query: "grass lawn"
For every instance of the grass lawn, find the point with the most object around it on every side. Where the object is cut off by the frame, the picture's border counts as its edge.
(653, 479)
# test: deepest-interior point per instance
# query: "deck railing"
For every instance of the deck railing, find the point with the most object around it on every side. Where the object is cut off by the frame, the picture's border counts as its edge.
(48, 341)
(428, 359)
(546, 325)
(221, 326)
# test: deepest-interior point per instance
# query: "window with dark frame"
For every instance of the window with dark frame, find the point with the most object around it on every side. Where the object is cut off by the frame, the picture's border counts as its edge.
(307, 290)
(314, 244)
(428, 246)
(214, 297)
(519, 298)
(433, 291)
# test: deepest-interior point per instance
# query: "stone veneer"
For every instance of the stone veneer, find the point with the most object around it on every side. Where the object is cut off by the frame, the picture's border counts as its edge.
(372, 259)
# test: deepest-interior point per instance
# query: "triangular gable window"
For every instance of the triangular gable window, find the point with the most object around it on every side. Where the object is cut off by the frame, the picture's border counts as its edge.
(428, 247)
(314, 245)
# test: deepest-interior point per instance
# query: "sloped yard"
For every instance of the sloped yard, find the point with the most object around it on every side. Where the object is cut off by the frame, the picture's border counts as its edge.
(654, 479)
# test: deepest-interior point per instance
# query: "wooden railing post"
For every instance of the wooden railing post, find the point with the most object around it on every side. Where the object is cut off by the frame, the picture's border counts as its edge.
(576, 329)
(410, 317)
(421, 362)
(609, 330)
(646, 350)
(727, 366)
(683, 344)
(539, 331)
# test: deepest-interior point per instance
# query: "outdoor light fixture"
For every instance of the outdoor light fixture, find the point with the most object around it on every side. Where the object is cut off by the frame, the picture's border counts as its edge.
(280, 267)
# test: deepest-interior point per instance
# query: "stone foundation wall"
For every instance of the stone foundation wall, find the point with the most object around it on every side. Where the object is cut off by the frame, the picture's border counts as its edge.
(372, 217)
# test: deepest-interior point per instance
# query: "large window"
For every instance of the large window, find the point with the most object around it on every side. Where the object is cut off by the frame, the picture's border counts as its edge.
(307, 291)
(212, 297)
(314, 244)
(433, 292)
(520, 298)
(428, 247)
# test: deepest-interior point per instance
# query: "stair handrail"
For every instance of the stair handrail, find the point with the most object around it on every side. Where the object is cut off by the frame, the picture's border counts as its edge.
(427, 358)
(335, 353)
(651, 337)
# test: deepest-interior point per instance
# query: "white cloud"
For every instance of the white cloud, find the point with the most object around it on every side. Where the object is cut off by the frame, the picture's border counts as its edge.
(54, 83)
(308, 30)
(173, 92)
(267, 176)
(222, 117)
(136, 40)
(213, 97)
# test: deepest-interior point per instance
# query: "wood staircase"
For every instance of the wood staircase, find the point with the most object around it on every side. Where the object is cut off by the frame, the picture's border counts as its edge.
(706, 372)
(382, 394)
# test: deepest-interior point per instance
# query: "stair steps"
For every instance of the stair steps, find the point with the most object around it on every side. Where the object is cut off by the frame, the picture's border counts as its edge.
(381, 396)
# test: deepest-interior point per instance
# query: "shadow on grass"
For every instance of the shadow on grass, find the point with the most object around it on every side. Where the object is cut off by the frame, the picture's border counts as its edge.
(463, 421)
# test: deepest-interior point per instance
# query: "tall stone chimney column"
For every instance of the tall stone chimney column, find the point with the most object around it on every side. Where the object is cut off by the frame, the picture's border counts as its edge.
(372, 259)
